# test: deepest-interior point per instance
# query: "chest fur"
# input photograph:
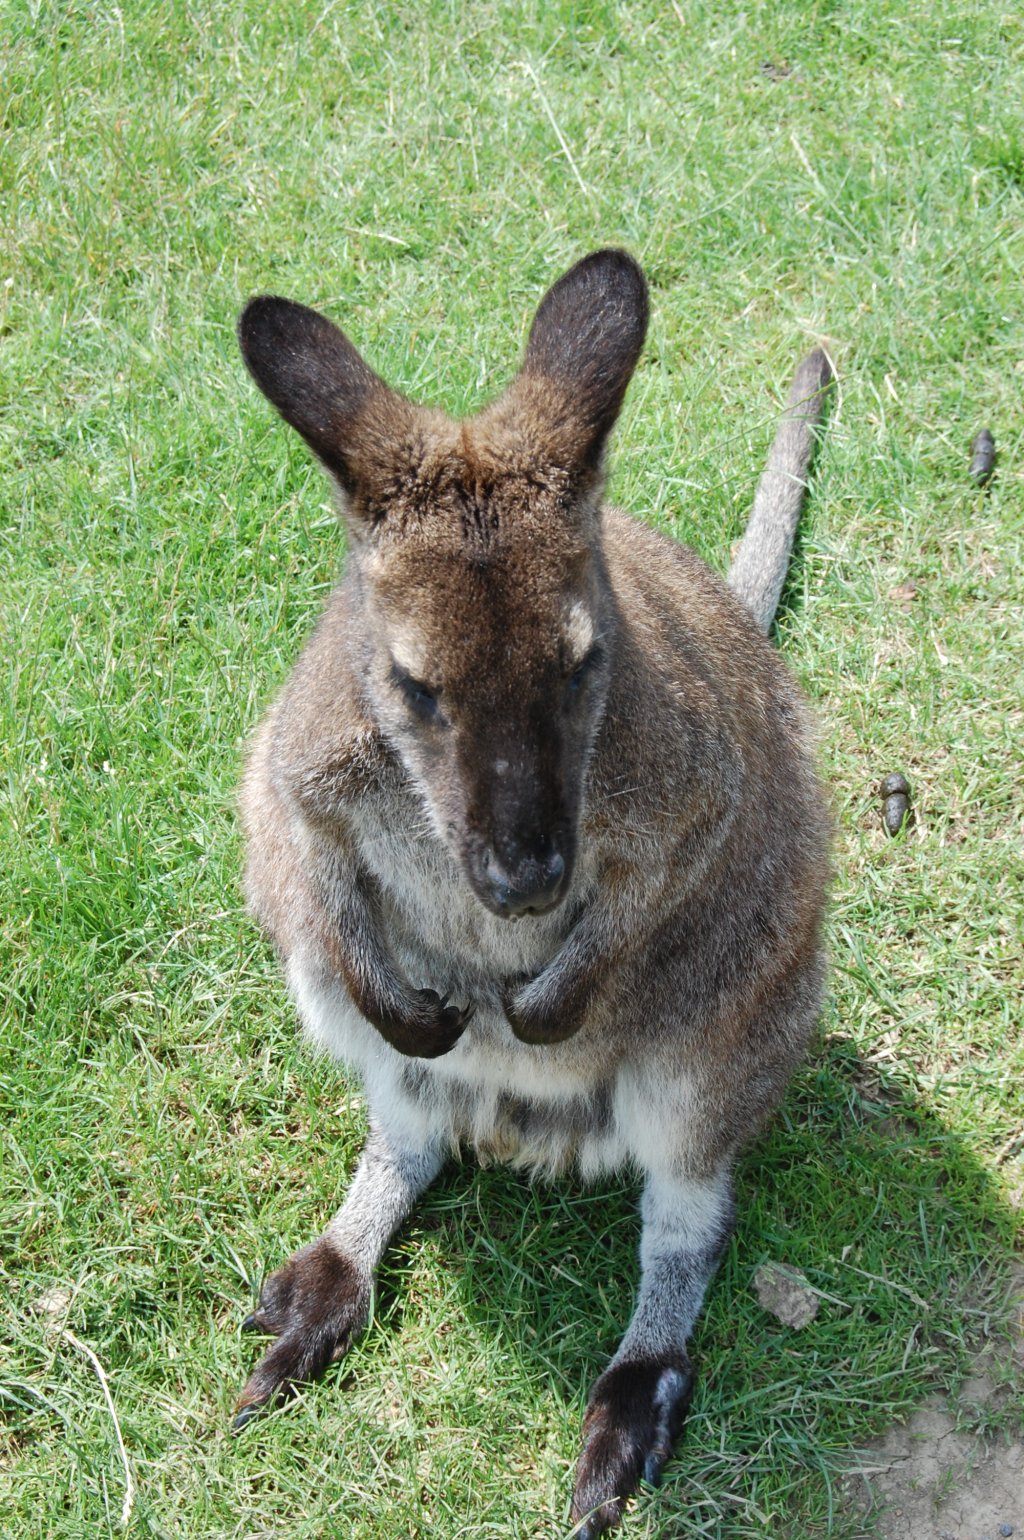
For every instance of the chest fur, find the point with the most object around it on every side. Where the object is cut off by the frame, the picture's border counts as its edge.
(435, 927)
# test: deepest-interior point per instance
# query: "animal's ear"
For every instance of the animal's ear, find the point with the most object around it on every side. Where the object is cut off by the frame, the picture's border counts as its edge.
(584, 343)
(321, 386)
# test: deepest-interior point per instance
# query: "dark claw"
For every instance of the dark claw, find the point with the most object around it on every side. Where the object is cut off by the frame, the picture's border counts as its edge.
(440, 1035)
(598, 1523)
(590, 1531)
(423, 1026)
(253, 1323)
(246, 1415)
(654, 1466)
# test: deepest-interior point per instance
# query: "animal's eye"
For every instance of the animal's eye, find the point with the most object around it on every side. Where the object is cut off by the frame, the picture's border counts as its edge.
(419, 697)
(583, 670)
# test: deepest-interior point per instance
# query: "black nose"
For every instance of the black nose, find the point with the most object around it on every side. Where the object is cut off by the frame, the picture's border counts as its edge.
(531, 887)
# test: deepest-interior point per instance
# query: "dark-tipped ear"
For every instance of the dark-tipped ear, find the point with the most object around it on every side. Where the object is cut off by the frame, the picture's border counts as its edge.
(586, 338)
(316, 379)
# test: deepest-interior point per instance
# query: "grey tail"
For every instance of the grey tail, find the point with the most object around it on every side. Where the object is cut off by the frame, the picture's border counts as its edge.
(759, 568)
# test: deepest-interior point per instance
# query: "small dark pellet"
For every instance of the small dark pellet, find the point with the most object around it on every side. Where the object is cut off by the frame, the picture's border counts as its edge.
(983, 457)
(894, 791)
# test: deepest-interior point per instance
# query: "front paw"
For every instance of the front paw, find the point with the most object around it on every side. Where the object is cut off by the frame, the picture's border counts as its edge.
(634, 1416)
(315, 1305)
(426, 1027)
(539, 1015)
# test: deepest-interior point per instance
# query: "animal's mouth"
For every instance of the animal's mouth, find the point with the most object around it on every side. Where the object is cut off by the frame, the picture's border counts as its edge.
(516, 907)
(530, 910)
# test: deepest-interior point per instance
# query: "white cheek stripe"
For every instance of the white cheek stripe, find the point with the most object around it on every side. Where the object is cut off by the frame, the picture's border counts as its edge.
(405, 653)
(579, 631)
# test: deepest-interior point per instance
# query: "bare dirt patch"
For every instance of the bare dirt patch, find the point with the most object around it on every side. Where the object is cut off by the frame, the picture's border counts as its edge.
(932, 1480)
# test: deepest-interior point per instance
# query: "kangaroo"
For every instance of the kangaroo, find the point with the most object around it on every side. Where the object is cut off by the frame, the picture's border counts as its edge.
(534, 828)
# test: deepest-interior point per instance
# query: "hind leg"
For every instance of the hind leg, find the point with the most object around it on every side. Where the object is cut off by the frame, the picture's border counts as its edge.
(636, 1408)
(319, 1301)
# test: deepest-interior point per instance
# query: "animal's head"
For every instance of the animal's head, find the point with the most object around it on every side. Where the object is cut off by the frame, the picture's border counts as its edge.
(488, 624)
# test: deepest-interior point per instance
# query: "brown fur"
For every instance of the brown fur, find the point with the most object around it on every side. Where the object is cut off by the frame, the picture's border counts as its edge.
(533, 823)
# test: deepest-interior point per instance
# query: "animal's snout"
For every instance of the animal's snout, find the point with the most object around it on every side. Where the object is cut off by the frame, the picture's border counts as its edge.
(528, 883)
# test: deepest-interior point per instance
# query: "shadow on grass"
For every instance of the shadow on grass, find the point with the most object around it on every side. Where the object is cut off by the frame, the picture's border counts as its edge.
(860, 1186)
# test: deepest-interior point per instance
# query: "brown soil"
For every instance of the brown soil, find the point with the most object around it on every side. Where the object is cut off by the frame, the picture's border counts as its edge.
(930, 1480)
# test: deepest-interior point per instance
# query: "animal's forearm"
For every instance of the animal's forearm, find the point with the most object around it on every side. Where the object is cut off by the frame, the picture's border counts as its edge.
(554, 1005)
(416, 1022)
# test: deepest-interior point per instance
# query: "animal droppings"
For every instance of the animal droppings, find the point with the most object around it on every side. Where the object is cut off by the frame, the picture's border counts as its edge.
(983, 457)
(895, 794)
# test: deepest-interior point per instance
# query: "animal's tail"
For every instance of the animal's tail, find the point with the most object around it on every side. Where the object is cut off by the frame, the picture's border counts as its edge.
(758, 570)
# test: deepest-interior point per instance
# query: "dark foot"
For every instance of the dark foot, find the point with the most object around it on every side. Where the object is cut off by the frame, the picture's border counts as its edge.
(315, 1305)
(427, 1028)
(634, 1417)
(538, 1019)
(443, 1027)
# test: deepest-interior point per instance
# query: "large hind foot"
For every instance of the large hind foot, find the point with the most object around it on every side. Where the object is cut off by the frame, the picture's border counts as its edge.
(315, 1305)
(634, 1417)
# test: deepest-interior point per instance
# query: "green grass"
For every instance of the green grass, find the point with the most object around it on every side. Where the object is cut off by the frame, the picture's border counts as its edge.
(422, 172)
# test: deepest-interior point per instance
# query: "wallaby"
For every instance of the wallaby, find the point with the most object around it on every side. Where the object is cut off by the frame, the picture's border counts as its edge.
(534, 827)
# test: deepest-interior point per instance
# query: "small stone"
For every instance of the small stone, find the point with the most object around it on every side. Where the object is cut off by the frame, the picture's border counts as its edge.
(776, 69)
(785, 1293)
(904, 594)
(1006, 1530)
(53, 1302)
